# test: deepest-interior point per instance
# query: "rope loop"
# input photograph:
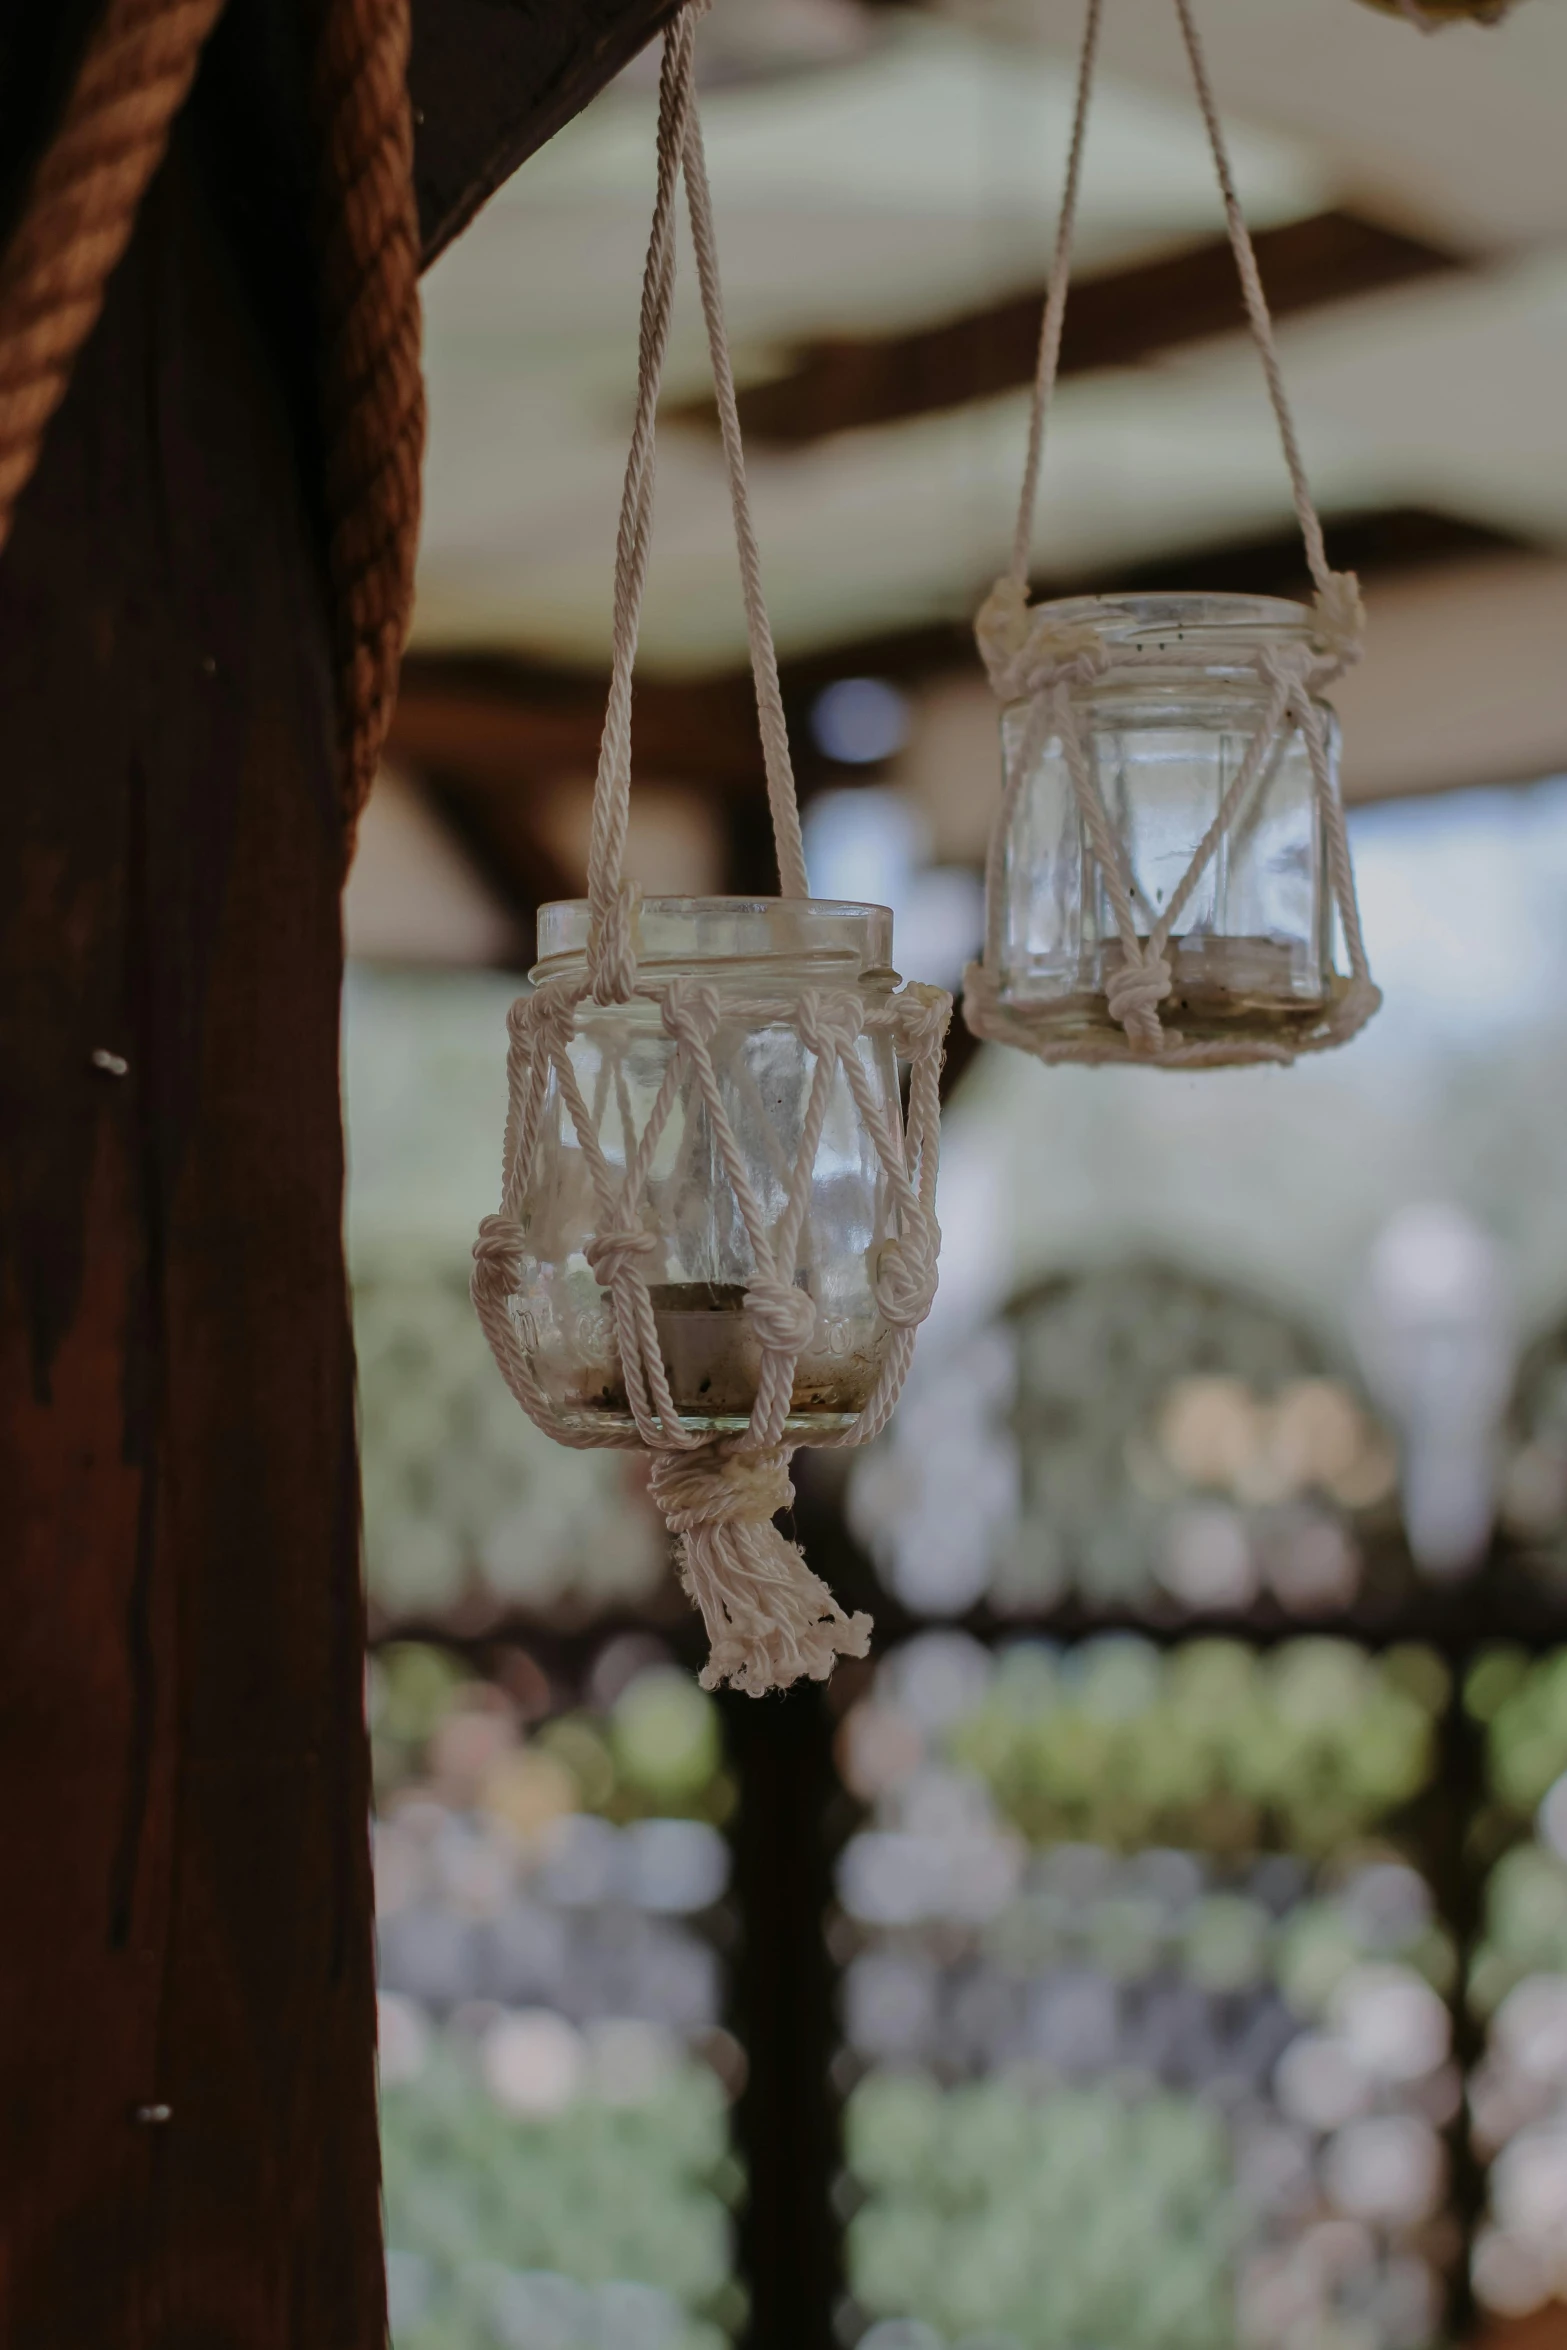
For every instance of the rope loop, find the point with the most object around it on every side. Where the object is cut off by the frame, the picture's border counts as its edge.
(499, 1250)
(921, 1014)
(904, 1282)
(691, 1010)
(830, 1026)
(549, 1015)
(714, 1486)
(1133, 993)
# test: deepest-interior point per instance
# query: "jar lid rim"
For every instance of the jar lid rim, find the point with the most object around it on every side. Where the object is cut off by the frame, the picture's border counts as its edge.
(730, 928)
(1199, 611)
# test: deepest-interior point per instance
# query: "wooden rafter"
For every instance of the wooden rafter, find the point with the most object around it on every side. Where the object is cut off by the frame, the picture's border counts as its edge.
(1115, 319)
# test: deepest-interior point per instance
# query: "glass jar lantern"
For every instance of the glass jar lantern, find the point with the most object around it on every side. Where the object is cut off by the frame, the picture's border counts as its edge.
(699, 1261)
(1166, 838)
(717, 1233)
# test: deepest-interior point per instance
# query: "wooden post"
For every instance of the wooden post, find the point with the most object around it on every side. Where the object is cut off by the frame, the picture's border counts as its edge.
(188, 2151)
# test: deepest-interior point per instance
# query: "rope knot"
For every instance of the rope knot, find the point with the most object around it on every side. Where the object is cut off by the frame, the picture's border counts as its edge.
(1133, 992)
(923, 1016)
(1288, 666)
(829, 1025)
(904, 1282)
(1340, 616)
(1024, 651)
(547, 1018)
(710, 1486)
(1001, 623)
(498, 1251)
(690, 1010)
(781, 1314)
(614, 1253)
(769, 1619)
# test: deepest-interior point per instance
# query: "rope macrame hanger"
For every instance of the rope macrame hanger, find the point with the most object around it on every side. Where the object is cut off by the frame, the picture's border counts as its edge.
(1032, 656)
(681, 154)
(768, 1617)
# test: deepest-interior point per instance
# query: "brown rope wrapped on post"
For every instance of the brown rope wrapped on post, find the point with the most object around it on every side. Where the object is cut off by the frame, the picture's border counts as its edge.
(81, 209)
(135, 75)
(372, 387)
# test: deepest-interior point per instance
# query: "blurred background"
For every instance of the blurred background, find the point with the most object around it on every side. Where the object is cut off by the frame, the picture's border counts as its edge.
(1162, 1943)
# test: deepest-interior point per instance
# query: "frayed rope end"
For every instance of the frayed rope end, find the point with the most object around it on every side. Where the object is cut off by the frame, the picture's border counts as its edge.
(770, 1621)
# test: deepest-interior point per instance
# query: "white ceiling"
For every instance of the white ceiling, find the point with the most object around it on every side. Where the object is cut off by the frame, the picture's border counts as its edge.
(915, 178)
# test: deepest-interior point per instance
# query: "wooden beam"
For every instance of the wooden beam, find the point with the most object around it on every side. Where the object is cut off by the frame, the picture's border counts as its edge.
(1376, 543)
(1116, 319)
(491, 80)
(506, 723)
(188, 2142)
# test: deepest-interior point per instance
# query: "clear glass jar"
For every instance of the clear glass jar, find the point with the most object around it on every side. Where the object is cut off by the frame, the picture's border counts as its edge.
(1251, 950)
(704, 1261)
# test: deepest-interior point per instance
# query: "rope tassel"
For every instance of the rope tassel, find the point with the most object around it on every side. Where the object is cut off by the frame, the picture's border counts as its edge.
(770, 1621)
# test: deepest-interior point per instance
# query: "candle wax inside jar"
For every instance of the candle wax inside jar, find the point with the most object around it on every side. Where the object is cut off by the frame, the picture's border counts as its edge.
(712, 1361)
(1234, 975)
(1221, 986)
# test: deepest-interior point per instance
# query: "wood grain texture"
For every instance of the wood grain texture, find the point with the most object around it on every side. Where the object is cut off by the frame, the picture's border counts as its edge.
(183, 1766)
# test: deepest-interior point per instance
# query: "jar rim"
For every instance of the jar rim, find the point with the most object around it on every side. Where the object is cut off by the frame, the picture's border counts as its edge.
(842, 931)
(1145, 620)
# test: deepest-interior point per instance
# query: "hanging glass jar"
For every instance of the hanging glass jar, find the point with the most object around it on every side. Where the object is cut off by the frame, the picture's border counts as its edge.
(1162, 708)
(1169, 878)
(790, 980)
(717, 1231)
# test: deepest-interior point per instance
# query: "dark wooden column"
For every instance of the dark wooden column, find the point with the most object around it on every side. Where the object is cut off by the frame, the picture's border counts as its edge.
(188, 2152)
(189, 2117)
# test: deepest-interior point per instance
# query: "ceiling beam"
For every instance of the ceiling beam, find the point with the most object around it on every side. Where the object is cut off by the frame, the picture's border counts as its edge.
(504, 724)
(1115, 319)
(491, 80)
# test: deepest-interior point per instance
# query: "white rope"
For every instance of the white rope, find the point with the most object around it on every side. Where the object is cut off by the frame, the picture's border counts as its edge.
(612, 900)
(764, 665)
(1327, 582)
(611, 956)
(1055, 302)
(1338, 602)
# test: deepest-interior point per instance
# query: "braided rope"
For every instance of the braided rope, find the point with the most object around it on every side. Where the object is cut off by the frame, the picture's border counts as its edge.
(135, 75)
(81, 209)
(611, 950)
(372, 387)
